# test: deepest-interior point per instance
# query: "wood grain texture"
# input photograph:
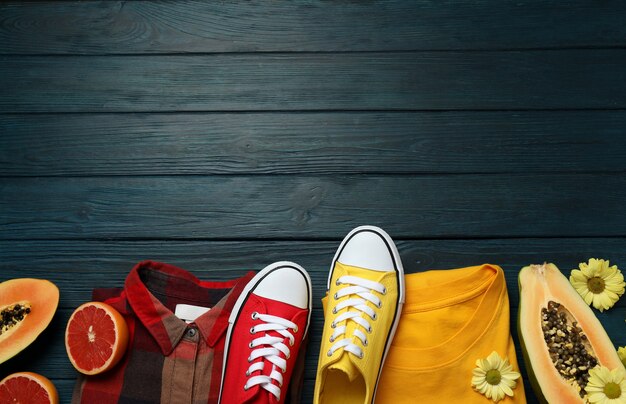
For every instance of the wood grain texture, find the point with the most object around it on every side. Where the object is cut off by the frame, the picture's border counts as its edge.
(196, 26)
(305, 207)
(322, 143)
(78, 266)
(561, 79)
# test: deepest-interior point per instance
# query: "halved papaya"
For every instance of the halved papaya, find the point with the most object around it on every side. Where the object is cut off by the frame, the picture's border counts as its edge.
(26, 308)
(561, 338)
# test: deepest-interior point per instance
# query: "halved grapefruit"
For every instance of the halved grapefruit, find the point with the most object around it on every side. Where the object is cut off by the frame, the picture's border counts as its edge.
(27, 387)
(95, 338)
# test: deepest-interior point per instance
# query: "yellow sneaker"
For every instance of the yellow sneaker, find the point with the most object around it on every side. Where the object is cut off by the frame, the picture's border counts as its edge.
(364, 298)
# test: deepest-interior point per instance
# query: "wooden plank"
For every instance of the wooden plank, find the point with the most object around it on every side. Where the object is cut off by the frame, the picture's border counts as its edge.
(323, 143)
(287, 207)
(78, 266)
(188, 26)
(564, 79)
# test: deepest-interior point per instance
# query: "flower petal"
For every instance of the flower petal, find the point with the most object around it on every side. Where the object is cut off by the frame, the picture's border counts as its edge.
(476, 380)
(622, 387)
(498, 393)
(617, 375)
(488, 391)
(577, 276)
(506, 389)
(479, 372)
(605, 374)
(494, 360)
(596, 397)
(509, 382)
(588, 271)
(482, 387)
(593, 388)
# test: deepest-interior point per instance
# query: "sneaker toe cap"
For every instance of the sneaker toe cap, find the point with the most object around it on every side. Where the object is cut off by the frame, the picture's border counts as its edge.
(367, 249)
(285, 284)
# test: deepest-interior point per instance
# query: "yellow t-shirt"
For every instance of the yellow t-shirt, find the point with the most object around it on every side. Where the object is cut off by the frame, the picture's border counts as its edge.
(450, 319)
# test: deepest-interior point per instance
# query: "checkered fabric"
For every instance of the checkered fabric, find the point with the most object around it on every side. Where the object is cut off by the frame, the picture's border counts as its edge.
(168, 360)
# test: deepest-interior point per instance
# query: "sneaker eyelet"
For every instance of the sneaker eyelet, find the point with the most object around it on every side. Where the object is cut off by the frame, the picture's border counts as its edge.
(337, 282)
(361, 355)
(365, 343)
(291, 343)
(374, 317)
(250, 345)
(329, 353)
(336, 296)
(255, 315)
(331, 339)
(249, 359)
(252, 330)
(246, 388)
(369, 329)
(295, 329)
(247, 373)
(380, 304)
(333, 325)
(384, 292)
(334, 310)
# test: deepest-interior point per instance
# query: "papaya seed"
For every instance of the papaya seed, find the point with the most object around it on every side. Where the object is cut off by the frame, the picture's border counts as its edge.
(12, 315)
(565, 343)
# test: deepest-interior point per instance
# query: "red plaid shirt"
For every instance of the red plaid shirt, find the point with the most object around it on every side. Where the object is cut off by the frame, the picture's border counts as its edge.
(168, 360)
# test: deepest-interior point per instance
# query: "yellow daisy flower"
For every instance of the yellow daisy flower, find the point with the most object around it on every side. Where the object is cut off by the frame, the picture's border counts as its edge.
(606, 386)
(622, 354)
(494, 377)
(598, 283)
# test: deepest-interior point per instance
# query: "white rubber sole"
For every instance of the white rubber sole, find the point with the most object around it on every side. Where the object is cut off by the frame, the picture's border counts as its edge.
(401, 290)
(247, 290)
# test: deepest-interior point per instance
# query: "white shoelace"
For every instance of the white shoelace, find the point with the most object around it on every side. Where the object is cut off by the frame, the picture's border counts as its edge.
(356, 306)
(270, 348)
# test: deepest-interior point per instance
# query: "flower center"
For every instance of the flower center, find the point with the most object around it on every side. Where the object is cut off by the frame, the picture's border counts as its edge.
(596, 285)
(493, 377)
(612, 390)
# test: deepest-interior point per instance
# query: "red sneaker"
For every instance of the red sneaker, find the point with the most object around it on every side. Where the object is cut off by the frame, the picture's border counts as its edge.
(265, 332)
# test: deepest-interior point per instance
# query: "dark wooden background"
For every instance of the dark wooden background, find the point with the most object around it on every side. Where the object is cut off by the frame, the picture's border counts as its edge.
(221, 137)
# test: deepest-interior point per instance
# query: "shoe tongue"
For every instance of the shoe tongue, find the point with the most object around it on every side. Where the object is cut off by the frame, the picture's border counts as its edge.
(345, 365)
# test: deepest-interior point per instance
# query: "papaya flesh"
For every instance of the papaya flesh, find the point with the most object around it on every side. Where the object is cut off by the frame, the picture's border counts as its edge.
(561, 337)
(26, 308)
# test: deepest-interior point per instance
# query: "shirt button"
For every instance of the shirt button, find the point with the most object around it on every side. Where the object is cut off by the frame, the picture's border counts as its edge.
(191, 332)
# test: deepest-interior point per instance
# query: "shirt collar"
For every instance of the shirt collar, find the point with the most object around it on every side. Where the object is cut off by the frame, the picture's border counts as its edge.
(161, 323)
